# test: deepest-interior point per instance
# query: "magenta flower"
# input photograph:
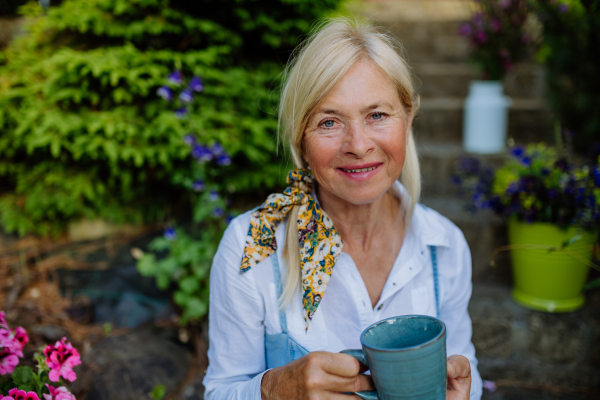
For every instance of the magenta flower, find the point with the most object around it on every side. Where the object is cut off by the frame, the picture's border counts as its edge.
(496, 25)
(22, 395)
(465, 29)
(19, 340)
(3, 323)
(480, 37)
(61, 358)
(61, 393)
(8, 362)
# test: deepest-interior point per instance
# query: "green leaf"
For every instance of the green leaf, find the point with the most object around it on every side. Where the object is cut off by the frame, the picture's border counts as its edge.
(189, 285)
(592, 284)
(22, 377)
(158, 392)
(570, 241)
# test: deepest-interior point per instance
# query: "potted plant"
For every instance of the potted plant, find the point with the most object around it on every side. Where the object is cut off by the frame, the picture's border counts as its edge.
(499, 39)
(553, 212)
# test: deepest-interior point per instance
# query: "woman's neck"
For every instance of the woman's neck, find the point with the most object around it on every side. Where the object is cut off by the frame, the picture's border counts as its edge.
(360, 225)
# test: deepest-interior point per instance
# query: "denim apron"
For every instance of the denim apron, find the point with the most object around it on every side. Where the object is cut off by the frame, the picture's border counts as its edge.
(281, 349)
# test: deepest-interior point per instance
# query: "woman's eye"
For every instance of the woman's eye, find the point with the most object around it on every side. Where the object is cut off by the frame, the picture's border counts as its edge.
(328, 124)
(378, 116)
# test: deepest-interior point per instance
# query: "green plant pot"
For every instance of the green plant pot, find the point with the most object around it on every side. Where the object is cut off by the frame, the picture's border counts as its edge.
(548, 281)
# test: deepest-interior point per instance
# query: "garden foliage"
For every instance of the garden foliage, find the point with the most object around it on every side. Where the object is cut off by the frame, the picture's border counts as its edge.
(83, 133)
(571, 55)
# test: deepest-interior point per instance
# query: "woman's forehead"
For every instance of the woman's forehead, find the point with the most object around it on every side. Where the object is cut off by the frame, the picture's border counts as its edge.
(363, 88)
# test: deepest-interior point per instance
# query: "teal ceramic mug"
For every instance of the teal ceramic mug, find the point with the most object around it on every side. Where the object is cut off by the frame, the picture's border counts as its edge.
(407, 358)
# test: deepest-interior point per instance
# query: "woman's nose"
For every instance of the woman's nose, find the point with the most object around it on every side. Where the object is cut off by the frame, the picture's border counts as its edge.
(358, 142)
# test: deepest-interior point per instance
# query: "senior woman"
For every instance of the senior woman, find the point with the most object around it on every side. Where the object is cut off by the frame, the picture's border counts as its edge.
(297, 280)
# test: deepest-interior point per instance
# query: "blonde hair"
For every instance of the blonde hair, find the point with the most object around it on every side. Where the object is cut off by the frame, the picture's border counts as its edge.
(317, 66)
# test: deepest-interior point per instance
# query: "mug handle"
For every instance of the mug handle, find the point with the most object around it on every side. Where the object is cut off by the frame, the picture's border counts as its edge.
(358, 354)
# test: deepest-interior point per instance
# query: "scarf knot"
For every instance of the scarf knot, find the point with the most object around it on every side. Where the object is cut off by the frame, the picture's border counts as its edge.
(319, 242)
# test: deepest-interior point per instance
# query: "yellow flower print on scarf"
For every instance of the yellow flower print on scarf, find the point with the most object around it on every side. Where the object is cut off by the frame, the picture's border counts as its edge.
(320, 243)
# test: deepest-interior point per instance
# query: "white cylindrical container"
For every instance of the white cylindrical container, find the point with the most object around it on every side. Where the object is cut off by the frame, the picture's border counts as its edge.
(485, 118)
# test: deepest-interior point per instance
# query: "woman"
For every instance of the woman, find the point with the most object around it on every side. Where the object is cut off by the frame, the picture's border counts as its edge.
(356, 247)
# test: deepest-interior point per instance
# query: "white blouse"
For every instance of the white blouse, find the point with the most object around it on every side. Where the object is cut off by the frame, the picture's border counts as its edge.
(243, 307)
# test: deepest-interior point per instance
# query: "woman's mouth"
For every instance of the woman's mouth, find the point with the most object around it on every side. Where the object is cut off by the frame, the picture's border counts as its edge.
(360, 172)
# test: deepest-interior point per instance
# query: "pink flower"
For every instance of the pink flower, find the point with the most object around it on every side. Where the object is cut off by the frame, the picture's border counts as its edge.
(3, 323)
(6, 338)
(6, 397)
(19, 339)
(61, 358)
(61, 393)
(8, 362)
(22, 395)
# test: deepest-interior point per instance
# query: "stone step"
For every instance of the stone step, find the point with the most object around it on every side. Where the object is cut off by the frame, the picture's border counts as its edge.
(522, 348)
(443, 80)
(441, 120)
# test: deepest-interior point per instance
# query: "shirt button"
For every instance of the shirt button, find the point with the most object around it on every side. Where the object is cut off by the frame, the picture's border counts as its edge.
(380, 307)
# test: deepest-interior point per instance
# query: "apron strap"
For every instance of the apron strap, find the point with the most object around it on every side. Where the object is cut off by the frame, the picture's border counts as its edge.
(279, 286)
(436, 285)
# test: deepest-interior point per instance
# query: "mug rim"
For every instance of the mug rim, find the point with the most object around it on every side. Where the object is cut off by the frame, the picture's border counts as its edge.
(424, 344)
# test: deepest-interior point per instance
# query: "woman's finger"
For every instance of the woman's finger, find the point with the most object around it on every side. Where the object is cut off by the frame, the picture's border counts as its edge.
(458, 367)
(339, 364)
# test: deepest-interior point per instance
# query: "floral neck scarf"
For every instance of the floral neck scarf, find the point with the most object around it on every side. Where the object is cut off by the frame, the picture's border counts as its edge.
(320, 243)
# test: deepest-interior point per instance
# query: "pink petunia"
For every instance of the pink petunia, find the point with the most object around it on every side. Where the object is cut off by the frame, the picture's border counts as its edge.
(19, 340)
(6, 397)
(8, 362)
(6, 338)
(23, 395)
(61, 358)
(3, 323)
(61, 393)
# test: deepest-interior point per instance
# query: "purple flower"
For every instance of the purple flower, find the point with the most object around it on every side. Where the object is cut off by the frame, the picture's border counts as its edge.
(217, 150)
(224, 159)
(186, 95)
(526, 161)
(196, 84)
(229, 218)
(201, 153)
(189, 139)
(563, 8)
(217, 212)
(480, 37)
(165, 92)
(517, 152)
(170, 234)
(176, 77)
(465, 29)
(181, 112)
(596, 173)
(504, 3)
(198, 185)
(213, 196)
(496, 25)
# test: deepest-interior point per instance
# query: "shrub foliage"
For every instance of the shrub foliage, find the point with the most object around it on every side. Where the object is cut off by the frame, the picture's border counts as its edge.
(83, 133)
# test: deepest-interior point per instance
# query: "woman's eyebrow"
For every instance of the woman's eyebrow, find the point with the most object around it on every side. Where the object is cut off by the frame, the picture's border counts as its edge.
(364, 110)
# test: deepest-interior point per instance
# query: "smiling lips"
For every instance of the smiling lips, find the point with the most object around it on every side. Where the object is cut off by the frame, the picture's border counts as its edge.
(360, 168)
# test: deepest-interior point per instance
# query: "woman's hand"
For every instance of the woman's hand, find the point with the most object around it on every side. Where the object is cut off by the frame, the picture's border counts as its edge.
(318, 375)
(459, 378)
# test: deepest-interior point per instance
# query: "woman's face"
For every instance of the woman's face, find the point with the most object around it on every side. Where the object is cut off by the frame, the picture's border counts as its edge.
(355, 142)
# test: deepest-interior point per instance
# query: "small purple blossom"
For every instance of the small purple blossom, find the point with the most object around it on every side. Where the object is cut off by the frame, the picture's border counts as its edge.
(181, 112)
(217, 150)
(196, 84)
(465, 29)
(229, 218)
(504, 3)
(189, 139)
(517, 152)
(480, 37)
(596, 173)
(563, 8)
(213, 196)
(186, 95)
(223, 160)
(198, 185)
(165, 92)
(496, 25)
(201, 153)
(217, 212)
(170, 234)
(176, 77)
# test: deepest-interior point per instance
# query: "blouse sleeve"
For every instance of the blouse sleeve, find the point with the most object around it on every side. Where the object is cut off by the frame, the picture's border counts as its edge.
(236, 352)
(454, 311)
